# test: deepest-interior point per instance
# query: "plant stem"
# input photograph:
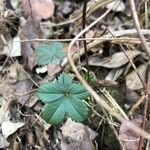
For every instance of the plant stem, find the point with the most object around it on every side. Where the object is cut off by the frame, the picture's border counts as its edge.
(84, 36)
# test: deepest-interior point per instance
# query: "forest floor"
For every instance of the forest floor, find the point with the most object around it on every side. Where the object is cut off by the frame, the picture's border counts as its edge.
(74, 75)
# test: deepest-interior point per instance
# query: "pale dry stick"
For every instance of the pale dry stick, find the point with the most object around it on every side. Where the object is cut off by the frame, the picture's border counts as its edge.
(138, 28)
(147, 50)
(113, 102)
(97, 114)
(127, 41)
(23, 94)
(136, 105)
(147, 145)
(113, 39)
(146, 14)
(65, 22)
(97, 98)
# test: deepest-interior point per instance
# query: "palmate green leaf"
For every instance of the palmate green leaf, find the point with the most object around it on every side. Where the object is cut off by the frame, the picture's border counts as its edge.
(78, 91)
(63, 98)
(49, 53)
(49, 92)
(54, 113)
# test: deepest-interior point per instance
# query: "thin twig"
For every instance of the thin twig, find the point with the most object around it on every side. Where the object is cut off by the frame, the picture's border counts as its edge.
(137, 25)
(147, 50)
(134, 67)
(95, 42)
(145, 106)
(136, 105)
(146, 14)
(84, 36)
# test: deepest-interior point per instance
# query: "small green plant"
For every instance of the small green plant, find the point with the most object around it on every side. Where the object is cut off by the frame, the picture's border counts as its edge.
(49, 53)
(63, 98)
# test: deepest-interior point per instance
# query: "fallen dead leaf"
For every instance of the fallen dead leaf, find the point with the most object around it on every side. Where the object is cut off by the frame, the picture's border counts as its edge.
(7, 91)
(30, 30)
(9, 127)
(129, 138)
(53, 69)
(132, 80)
(114, 74)
(13, 49)
(118, 6)
(4, 111)
(80, 136)
(3, 142)
(114, 61)
(41, 9)
(24, 93)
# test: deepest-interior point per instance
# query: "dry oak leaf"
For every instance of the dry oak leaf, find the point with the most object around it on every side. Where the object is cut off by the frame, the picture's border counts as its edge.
(41, 9)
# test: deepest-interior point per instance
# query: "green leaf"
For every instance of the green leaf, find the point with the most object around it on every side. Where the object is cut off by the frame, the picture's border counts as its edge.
(78, 91)
(64, 79)
(49, 91)
(63, 98)
(49, 53)
(54, 113)
(77, 109)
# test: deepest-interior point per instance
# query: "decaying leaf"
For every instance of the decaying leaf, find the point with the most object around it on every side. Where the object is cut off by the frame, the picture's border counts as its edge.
(53, 69)
(13, 49)
(30, 30)
(17, 86)
(3, 142)
(114, 74)
(4, 111)
(9, 127)
(24, 93)
(132, 80)
(117, 6)
(41, 9)
(114, 61)
(80, 136)
(129, 138)
(7, 92)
